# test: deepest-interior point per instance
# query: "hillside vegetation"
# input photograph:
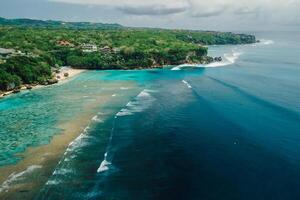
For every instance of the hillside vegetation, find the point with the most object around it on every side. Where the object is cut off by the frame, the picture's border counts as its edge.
(117, 48)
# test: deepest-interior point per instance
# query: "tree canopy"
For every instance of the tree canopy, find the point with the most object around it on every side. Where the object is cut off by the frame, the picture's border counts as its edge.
(120, 48)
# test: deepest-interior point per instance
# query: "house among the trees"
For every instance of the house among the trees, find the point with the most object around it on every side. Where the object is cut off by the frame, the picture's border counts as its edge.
(65, 43)
(6, 52)
(116, 50)
(88, 48)
(106, 49)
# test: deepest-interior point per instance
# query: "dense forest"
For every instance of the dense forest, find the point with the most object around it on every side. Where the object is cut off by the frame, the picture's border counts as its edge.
(56, 24)
(42, 45)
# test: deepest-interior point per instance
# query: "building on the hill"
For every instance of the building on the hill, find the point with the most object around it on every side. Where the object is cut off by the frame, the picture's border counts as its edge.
(65, 43)
(88, 48)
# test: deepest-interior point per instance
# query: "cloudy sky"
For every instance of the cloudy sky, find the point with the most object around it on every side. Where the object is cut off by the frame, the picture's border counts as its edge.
(188, 14)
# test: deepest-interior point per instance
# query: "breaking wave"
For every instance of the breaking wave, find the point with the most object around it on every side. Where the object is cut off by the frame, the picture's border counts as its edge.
(16, 177)
(96, 118)
(263, 42)
(63, 169)
(138, 104)
(266, 42)
(187, 84)
(105, 164)
(141, 102)
(228, 59)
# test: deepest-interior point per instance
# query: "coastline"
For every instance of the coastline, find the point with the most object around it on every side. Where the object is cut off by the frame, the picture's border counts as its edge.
(62, 79)
(25, 178)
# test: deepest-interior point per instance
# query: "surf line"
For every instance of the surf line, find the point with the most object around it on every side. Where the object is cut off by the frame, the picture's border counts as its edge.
(187, 84)
(61, 166)
(107, 161)
(228, 59)
(139, 103)
(193, 90)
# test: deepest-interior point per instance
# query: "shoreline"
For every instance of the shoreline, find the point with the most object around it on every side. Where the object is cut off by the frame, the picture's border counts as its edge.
(25, 178)
(59, 77)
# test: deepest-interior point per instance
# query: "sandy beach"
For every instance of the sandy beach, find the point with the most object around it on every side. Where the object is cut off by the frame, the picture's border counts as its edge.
(67, 70)
(24, 179)
(40, 161)
(64, 74)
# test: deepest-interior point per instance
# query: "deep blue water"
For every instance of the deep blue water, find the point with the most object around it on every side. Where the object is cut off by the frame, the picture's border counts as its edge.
(230, 132)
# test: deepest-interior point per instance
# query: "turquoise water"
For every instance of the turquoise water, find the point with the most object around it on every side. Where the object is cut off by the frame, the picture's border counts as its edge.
(227, 132)
(32, 118)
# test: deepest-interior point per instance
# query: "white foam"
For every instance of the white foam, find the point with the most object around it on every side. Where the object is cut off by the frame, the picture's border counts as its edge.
(150, 91)
(187, 84)
(143, 94)
(176, 68)
(62, 171)
(71, 153)
(86, 129)
(124, 112)
(141, 102)
(78, 142)
(114, 95)
(228, 59)
(14, 177)
(105, 165)
(266, 42)
(53, 182)
(124, 88)
(96, 118)
(185, 66)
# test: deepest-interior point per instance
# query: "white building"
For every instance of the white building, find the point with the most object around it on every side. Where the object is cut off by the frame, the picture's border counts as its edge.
(88, 48)
(6, 52)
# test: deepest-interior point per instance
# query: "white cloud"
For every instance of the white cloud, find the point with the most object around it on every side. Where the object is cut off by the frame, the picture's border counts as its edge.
(130, 3)
(136, 7)
(277, 11)
(195, 6)
(151, 10)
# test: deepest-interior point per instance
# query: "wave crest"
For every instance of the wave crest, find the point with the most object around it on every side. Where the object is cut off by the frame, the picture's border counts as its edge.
(16, 177)
(266, 42)
(186, 83)
(141, 102)
(105, 164)
(228, 59)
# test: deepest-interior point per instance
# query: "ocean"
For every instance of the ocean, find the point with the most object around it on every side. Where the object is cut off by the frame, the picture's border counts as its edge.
(228, 130)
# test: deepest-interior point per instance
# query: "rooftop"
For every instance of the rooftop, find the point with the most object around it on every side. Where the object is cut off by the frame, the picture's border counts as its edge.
(6, 51)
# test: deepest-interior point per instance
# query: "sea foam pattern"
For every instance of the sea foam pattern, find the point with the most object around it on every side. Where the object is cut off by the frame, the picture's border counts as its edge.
(17, 177)
(228, 59)
(266, 42)
(63, 169)
(140, 103)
